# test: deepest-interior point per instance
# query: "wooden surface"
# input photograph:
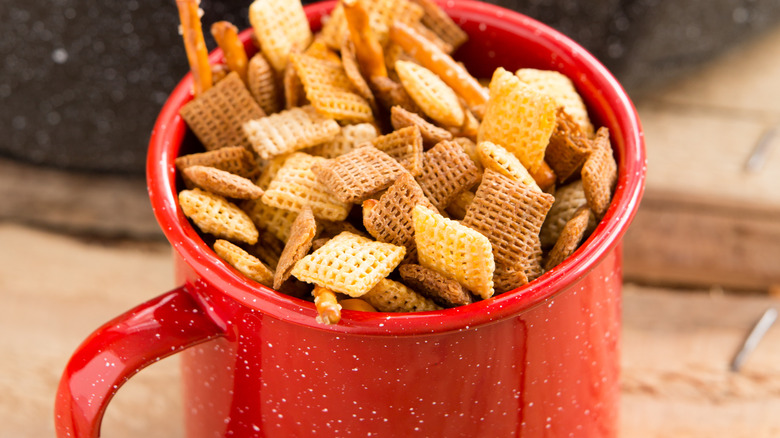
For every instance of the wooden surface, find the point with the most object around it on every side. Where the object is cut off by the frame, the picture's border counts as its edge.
(56, 289)
(706, 219)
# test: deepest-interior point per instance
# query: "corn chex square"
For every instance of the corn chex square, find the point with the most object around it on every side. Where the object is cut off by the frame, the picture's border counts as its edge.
(330, 91)
(279, 25)
(495, 157)
(446, 172)
(295, 186)
(349, 264)
(276, 221)
(561, 89)
(345, 141)
(405, 145)
(392, 296)
(454, 250)
(519, 118)
(217, 216)
(216, 116)
(359, 174)
(244, 262)
(510, 214)
(289, 131)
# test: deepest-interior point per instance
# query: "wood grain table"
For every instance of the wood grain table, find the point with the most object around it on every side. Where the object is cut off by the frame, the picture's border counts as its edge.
(56, 289)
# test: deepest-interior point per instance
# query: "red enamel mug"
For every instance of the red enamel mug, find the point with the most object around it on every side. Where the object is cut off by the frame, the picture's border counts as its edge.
(542, 360)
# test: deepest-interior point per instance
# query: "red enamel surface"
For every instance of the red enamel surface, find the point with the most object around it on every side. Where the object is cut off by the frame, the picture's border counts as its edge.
(538, 361)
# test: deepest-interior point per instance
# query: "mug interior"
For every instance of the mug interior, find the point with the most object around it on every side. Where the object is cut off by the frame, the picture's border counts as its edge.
(497, 38)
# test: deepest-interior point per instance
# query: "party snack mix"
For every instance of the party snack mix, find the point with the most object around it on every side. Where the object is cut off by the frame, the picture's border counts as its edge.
(366, 165)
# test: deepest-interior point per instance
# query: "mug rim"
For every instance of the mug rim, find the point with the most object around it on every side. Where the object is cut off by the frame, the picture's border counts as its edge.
(595, 83)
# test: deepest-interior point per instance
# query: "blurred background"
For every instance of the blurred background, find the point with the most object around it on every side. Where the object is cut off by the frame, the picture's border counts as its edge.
(81, 83)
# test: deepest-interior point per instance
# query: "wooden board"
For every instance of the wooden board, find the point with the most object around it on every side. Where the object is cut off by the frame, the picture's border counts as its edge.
(56, 289)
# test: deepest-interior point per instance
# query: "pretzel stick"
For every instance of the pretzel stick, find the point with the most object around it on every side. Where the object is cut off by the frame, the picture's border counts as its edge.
(434, 59)
(367, 48)
(226, 36)
(194, 45)
(328, 307)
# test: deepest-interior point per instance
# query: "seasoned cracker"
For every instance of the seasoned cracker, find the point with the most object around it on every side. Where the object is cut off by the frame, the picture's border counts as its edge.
(217, 216)
(442, 290)
(441, 24)
(458, 207)
(568, 148)
(289, 131)
(389, 219)
(349, 264)
(279, 25)
(358, 174)
(244, 262)
(432, 134)
(392, 296)
(330, 91)
(495, 157)
(447, 171)
(519, 118)
(568, 199)
(454, 250)
(510, 214)
(262, 83)
(301, 235)
(599, 174)
(295, 186)
(390, 93)
(436, 99)
(561, 89)
(222, 183)
(234, 159)
(216, 116)
(405, 145)
(570, 238)
(345, 141)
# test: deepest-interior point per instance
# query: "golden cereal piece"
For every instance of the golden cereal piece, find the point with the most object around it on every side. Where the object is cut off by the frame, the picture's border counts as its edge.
(276, 221)
(215, 215)
(519, 118)
(599, 174)
(446, 172)
(495, 157)
(431, 134)
(216, 116)
(244, 262)
(454, 250)
(345, 141)
(392, 296)
(510, 214)
(570, 238)
(330, 91)
(358, 174)
(262, 83)
(302, 233)
(222, 183)
(561, 89)
(289, 131)
(279, 25)
(430, 93)
(349, 264)
(295, 186)
(405, 145)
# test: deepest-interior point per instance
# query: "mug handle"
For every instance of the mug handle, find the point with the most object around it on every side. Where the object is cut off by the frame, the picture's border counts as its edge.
(120, 348)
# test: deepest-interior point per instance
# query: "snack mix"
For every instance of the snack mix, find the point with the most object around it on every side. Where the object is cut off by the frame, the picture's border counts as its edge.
(363, 168)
